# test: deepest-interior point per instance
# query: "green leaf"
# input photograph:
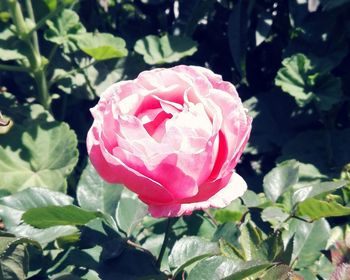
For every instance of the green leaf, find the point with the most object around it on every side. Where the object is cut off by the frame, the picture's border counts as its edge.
(309, 240)
(63, 27)
(274, 215)
(14, 263)
(165, 49)
(190, 249)
(130, 211)
(11, 48)
(35, 197)
(280, 179)
(40, 155)
(263, 27)
(315, 190)
(328, 152)
(238, 24)
(93, 193)
(301, 79)
(332, 4)
(219, 267)
(292, 78)
(316, 209)
(280, 272)
(101, 46)
(251, 199)
(251, 239)
(6, 242)
(12, 208)
(50, 216)
(231, 213)
(229, 232)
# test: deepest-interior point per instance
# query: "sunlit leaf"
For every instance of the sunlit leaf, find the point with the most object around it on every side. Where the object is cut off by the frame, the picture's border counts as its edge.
(165, 49)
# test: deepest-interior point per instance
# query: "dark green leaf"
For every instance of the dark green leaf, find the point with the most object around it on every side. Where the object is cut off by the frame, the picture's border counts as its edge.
(300, 78)
(237, 35)
(50, 216)
(14, 263)
(165, 49)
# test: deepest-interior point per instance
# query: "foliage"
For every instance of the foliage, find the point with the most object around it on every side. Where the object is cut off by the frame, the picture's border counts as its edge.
(290, 63)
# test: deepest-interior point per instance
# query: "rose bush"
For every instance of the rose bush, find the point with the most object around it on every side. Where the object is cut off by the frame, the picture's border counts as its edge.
(173, 136)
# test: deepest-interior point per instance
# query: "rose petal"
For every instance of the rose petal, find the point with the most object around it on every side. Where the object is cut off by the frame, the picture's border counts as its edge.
(234, 189)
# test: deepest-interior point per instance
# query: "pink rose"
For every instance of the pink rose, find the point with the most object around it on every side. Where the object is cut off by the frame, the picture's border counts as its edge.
(173, 136)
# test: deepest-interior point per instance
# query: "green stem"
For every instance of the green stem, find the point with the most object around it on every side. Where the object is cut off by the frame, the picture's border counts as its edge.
(43, 93)
(13, 68)
(44, 19)
(32, 17)
(52, 54)
(165, 242)
(36, 64)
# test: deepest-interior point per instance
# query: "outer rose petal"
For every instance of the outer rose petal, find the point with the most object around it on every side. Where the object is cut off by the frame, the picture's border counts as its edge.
(234, 189)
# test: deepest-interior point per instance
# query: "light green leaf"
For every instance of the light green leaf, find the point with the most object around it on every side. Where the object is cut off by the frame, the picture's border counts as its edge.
(165, 49)
(219, 267)
(315, 190)
(280, 272)
(233, 212)
(40, 155)
(316, 209)
(35, 197)
(274, 215)
(190, 249)
(94, 193)
(61, 28)
(12, 208)
(101, 46)
(11, 48)
(130, 211)
(49, 216)
(280, 179)
(309, 240)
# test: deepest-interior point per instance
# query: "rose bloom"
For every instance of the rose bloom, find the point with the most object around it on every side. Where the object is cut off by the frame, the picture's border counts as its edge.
(173, 136)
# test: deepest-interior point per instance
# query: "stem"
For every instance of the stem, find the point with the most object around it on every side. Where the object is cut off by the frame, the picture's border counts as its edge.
(43, 20)
(165, 242)
(13, 68)
(36, 64)
(43, 93)
(32, 17)
(52, 54)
